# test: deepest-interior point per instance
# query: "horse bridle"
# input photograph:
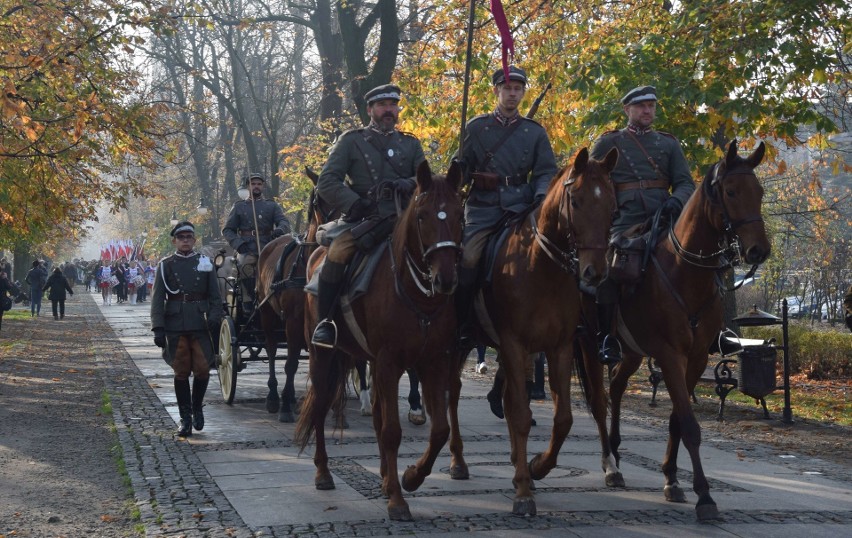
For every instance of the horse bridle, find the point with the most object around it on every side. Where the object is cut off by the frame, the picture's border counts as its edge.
(730, 251)
(411, 264)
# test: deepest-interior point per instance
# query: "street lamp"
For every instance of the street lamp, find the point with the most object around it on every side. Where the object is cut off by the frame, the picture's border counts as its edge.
(174, 219)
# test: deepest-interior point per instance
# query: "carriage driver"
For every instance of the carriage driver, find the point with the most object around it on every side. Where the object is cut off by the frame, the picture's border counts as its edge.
(363, 169)
(240, 232)
(185, 305)
(650, 163)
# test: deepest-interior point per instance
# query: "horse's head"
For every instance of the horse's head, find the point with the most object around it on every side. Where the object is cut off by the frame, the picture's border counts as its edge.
(429, 232)
(587, 204)
(735, 197)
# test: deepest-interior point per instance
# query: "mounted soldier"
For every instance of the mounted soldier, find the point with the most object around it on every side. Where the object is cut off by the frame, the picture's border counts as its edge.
(252, 224)
(651, 173)
(365, 168)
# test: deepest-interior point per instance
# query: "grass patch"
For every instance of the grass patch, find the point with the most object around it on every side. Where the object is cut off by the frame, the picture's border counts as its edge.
(17, 314)
(118, 456)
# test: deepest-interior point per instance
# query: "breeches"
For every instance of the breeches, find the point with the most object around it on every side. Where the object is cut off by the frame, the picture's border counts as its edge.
(473, 249)
(342, 248)
(189, 358)
(247, 264)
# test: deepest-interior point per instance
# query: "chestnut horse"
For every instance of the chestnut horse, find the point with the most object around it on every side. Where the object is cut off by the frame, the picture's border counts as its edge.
(287, 305)
(533, 303)
(720, 224)
(408, 319)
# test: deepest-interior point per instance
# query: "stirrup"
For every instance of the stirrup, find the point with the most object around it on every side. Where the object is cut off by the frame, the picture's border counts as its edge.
(609, 354)
(325, 340)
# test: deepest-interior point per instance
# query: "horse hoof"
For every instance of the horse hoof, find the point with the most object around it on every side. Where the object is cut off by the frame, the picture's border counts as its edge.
(411, 479)
(324, 483)
(534, 464)
(524, 507)
(459, 472)
(399, 513)
(418, 418)
(272, 404)
(286, 416)
(615, 480)
(674, 494)
(706, 512)
(366, 407)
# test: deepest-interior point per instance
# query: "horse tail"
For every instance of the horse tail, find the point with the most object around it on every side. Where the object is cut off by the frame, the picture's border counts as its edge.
(324, 394)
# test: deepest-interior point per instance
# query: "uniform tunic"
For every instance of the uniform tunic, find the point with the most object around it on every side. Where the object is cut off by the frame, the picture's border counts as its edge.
(637, 205)
(363, 158)
(526, 157)
(178, 317)
(270, 216)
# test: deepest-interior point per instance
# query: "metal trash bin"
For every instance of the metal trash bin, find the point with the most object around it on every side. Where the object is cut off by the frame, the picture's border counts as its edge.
(756, 371)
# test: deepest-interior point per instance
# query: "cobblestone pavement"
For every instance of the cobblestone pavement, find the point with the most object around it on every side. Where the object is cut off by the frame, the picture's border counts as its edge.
(242, 476)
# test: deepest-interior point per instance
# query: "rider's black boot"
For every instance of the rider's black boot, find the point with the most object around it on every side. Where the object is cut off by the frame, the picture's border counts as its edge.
(537, 392)
(609, 349)
(466, 319)
(330, 285)
(199, 387)
(184, 401)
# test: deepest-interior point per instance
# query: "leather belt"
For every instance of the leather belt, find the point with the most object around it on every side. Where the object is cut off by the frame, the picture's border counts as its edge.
(488, 181)
(250, 233)
(650, 184)
(186, 297)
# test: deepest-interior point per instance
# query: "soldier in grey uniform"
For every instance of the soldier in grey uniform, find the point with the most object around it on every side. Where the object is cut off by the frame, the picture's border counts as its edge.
(185, 306)
(510, 163)
(240, 232)
(651, 172)
(363, 170)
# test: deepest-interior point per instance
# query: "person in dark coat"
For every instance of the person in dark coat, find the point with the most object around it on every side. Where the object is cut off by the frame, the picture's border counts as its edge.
(36, 278)
(57, 285)
(184, 306)
(651, 173)
(364, 168)
(6, 287)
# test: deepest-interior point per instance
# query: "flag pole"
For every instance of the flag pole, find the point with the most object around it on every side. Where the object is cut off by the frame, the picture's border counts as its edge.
(467, 63)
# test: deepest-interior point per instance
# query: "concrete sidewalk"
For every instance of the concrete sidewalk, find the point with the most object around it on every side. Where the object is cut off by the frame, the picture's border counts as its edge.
(242, 476)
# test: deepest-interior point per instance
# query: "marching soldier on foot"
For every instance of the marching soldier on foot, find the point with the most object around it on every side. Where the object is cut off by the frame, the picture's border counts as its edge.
(185, 307)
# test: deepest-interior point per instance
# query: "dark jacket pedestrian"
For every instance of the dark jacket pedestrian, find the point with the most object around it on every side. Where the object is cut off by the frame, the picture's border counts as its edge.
(56, 287)
(6, 287)
(185, 303)
(36, 278)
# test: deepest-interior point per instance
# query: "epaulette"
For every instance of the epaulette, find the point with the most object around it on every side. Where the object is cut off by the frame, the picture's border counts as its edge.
(673, 137)
(406, 133)
(532, 120)
(348, 132)
(611, 132)
(480, 117)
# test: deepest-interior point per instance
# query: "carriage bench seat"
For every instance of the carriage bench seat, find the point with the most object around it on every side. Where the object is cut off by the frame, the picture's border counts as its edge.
(723, 372)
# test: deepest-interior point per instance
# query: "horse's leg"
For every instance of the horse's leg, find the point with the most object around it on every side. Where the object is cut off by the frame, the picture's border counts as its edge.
(366, 400)
(683, 426)
(617, 386)
(458, 467)
(389, 432)
(559, 361)
(287, 412)
(596, 398)
(416, 414)
(271, 346)
(518, 419)
(323, 384)
(435, 392)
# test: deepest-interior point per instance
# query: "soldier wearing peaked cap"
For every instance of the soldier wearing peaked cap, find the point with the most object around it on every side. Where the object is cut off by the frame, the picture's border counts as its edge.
(185, 306)
(651, 172)
(240, 232)
(364, 169)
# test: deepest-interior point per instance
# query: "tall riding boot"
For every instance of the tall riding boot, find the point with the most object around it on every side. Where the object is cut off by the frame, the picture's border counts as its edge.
(609, 349)
(537, 392)
(199, 387)
(495, 395)
(330, 285)
(464, 297)
(184, 401)
(530, 389)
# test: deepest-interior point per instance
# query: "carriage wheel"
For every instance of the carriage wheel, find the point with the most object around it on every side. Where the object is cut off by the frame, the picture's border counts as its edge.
(227, 363)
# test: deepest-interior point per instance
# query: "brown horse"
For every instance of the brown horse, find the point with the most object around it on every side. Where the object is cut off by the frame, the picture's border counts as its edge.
(286, 305)
(408, 320)
(680, 287)
(533, 303)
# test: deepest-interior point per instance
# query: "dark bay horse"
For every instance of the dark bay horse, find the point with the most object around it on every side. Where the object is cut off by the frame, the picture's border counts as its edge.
(284, 304)
(676, 311)
(408, 320)
(533, 303)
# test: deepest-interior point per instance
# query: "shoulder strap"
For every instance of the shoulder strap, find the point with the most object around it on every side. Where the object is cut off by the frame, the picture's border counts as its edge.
(647, 156)
(373, 140)
(493, 151)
